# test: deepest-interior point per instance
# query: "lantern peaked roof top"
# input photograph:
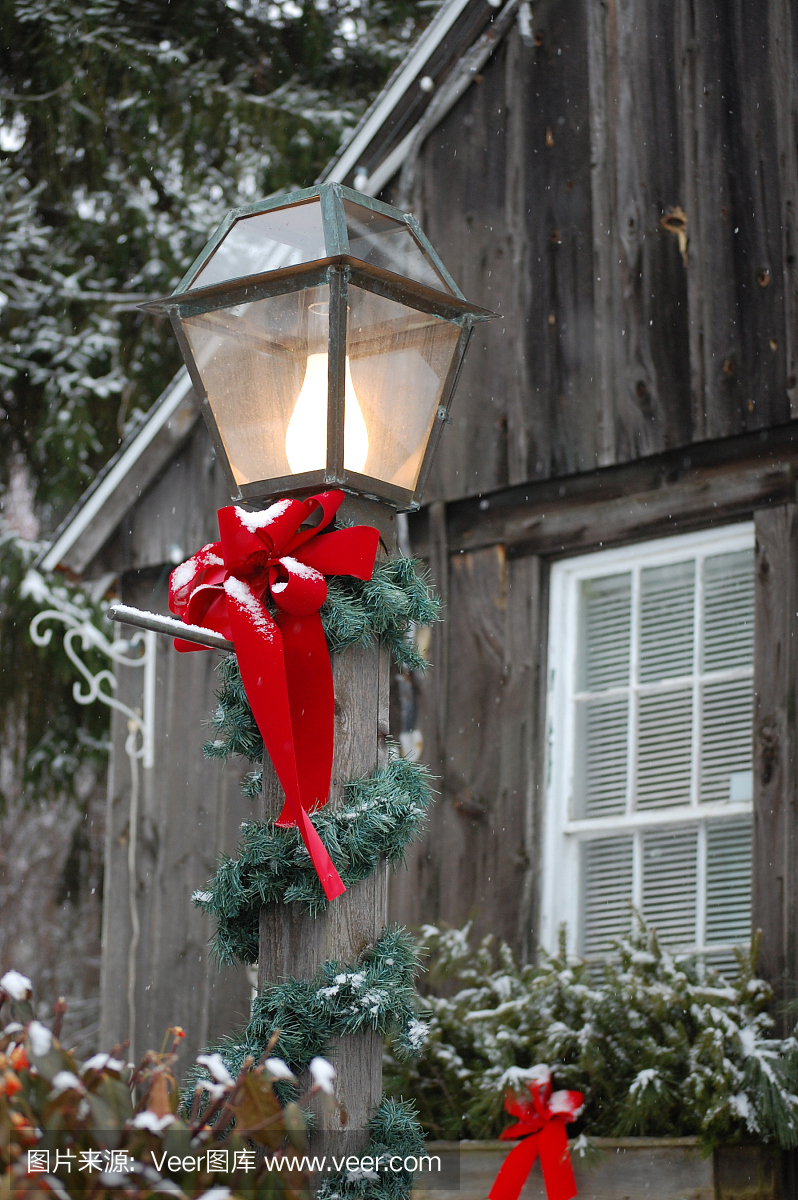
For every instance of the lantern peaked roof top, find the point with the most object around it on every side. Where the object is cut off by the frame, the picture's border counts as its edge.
(439, 68)
(325, 221)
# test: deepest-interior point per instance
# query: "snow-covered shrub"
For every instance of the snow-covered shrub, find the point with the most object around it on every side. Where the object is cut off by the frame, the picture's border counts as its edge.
(659, 1045)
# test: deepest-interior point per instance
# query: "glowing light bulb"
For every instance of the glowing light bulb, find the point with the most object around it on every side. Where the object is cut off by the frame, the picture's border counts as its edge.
(306, 436)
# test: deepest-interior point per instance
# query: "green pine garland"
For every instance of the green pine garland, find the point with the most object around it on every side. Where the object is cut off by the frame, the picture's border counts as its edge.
(387, 606)
(393, 1130)
(376, 992)
(397, 596)
(380, 816)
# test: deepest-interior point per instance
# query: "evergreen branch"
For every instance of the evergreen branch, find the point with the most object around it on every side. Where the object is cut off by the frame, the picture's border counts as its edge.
(659, 1045)
(233, 718)
(380, 816)
(387, 606)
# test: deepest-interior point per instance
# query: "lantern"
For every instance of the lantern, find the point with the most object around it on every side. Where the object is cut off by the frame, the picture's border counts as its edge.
(323, 336)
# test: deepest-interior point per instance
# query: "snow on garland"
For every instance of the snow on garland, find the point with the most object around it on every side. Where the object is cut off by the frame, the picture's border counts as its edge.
(379, 817)
(376, 992)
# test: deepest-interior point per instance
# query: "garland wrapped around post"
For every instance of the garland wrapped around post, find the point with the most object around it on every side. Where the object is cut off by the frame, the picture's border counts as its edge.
(379, 818)
(375, 821)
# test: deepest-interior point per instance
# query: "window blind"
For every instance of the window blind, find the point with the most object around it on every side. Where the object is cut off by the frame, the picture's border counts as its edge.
(661, 710)
(670, 863)
(728, 908)
(606, 890)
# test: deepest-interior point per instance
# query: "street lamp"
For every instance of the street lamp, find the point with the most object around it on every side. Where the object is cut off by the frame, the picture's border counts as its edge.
(323, 336)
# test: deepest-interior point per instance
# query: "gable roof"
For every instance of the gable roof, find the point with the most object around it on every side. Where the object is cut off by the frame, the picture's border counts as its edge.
(449, 54)
(440, 67)
(122, 480)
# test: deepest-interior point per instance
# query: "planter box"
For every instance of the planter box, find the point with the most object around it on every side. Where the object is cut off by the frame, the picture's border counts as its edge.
(633, 1169)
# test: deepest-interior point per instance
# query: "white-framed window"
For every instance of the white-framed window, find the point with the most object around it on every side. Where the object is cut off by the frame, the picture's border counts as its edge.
(649, 721)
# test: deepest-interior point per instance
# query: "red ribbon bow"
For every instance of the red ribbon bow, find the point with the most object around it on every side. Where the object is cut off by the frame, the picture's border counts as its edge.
(284, 660)
(542, 1126)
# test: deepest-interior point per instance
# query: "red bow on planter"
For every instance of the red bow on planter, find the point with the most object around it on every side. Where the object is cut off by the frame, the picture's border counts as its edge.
(542, 1126)
(284, 660)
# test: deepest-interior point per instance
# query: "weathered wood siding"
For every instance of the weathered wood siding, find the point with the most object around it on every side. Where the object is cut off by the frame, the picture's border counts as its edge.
(544, 190)
(481, 713)
(189, 811)
(175, 515)
(481, 709)
(637, 386)
(775, 899)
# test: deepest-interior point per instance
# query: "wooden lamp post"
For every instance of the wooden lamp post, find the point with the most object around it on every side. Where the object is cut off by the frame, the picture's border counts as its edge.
(324, 336)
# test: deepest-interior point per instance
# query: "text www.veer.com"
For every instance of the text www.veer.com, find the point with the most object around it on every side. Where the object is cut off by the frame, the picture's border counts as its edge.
(364, 1167)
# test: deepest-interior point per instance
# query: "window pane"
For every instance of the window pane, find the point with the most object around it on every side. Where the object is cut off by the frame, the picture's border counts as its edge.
(728, 610)
(726, 736)
(602, 739)
(385, 242)
(667, 601)
(664, 749)
(253, 360)
(606, 893)
(284, 237)
(399, 360)
(729, 882)
(604, 632)
(669, 884)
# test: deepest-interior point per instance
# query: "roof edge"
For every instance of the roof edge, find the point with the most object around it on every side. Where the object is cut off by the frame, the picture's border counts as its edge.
(111, 475)
(455, 82)
(346, 158)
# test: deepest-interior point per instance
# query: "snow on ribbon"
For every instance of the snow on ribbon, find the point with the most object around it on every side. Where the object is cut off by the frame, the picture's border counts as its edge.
(284, 660)
(541, 1125)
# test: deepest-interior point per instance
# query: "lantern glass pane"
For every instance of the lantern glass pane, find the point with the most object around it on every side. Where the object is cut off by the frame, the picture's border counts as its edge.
(397, 360)
(266, 241)
(264, 369)
(390, 244)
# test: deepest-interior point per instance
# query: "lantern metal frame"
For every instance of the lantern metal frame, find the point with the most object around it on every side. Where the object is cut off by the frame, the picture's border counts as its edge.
(338, 270)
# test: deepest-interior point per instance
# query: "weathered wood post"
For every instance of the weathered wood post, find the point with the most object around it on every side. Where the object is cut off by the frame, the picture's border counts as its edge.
(292, 943)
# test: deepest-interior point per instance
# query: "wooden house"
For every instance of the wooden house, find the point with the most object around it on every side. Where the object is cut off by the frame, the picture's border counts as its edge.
(611, 519)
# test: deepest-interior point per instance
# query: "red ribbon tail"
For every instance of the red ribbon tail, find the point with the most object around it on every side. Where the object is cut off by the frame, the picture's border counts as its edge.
(259, 649)
(515, 1169)
(329, 878)
(184, 647)
(312, 702)
(558, 1176)
(555, 1161)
